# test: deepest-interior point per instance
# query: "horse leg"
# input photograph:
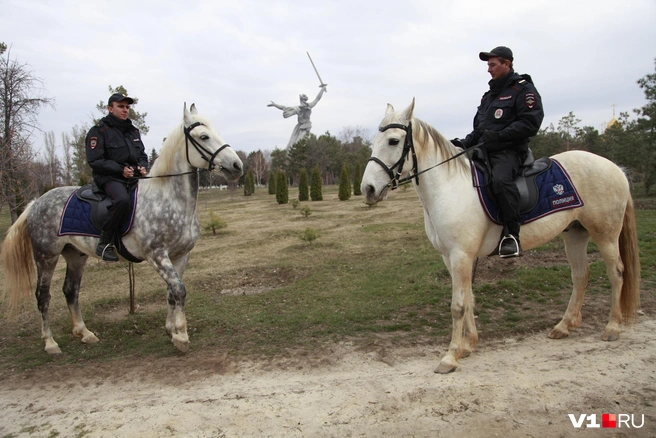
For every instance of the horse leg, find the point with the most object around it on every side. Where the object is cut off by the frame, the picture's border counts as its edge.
(45, 269)
(576, 247)
(176, 322)
(614, 269)
(75, 262)
(464, 336)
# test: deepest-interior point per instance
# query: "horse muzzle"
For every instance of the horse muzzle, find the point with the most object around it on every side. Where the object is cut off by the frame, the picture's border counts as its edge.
(373, 196)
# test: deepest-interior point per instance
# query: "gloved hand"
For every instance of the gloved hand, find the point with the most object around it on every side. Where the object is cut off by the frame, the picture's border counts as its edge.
(458, 142)
(490, 137)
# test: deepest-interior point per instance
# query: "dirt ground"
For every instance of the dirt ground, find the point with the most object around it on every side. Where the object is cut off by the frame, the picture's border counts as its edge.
(509, 388)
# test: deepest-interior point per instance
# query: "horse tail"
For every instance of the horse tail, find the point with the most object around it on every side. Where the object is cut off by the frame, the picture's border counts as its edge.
(18, 264)
(630, 255)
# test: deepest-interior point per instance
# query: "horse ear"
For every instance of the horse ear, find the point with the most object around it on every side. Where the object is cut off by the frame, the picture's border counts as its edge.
(192, 108)
(188, 120)
(407, 113)
(389, 110)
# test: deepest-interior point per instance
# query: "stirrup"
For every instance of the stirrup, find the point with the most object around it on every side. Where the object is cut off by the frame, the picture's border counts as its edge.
(518, 248)
(109, 258)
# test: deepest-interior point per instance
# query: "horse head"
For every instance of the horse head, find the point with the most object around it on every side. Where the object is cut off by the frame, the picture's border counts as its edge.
(390, 154)
(205, 147)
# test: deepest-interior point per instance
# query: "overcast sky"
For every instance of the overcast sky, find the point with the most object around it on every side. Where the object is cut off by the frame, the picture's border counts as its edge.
(232, 58)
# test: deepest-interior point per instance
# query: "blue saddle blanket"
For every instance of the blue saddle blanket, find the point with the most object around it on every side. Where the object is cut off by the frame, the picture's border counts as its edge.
(556, 192)
(76, 218)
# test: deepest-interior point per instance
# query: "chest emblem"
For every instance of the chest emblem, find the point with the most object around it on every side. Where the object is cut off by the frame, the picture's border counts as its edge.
(93, 142)
(498, 113)
(529, 100)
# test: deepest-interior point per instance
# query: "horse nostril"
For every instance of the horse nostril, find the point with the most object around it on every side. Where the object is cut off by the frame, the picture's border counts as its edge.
(237, 166)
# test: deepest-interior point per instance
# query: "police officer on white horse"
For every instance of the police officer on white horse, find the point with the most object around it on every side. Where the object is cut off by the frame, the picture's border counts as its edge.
(509, 114)
(116, 154)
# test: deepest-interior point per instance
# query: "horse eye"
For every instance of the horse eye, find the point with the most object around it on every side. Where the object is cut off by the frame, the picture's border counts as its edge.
(204, 137)
(393, 141)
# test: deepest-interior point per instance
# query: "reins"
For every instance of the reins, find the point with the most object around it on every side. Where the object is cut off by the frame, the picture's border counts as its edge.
(408, 146)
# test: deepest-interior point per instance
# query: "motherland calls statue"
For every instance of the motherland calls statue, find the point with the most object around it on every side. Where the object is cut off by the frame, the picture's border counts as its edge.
(303, 111)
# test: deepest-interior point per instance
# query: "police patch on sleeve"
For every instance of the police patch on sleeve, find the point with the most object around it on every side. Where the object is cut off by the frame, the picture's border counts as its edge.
(93, 142)
(529, 100)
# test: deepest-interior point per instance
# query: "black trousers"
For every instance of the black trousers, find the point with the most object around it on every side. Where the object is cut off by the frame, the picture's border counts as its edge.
(118, 212)
(504, 165)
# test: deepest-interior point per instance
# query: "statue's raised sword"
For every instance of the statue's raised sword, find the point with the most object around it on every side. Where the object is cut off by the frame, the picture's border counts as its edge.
(316, 71)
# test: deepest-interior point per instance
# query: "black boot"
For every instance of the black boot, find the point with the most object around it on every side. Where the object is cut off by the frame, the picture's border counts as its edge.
(510, 247)
(105, 248)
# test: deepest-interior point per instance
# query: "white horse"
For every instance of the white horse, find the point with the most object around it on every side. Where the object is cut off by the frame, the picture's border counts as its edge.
(459, 229)
(164, 230)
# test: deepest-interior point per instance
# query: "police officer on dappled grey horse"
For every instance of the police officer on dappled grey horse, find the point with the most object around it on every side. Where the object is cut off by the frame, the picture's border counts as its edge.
(509, 114)
(116, 155)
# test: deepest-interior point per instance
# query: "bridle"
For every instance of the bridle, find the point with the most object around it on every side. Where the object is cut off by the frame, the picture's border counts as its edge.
(409, 146)
(205, 154)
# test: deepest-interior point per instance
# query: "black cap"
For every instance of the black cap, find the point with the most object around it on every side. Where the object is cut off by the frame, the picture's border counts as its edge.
(117, 97)
(501, 52)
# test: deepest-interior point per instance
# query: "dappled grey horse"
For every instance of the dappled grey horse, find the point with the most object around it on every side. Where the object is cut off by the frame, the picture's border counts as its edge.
(164, 230)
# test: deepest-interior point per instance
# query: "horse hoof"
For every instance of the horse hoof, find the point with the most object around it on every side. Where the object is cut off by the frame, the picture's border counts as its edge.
(445, 368)
(181, 344)
(610, 335)
(53, 349)
(90, 339)
(558, 334)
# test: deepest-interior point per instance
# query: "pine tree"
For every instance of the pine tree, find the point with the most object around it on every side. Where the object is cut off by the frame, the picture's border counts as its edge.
(272, 183)
(315, 185)
(282, 189)
(357, 179)
(344, 184)
(303, 186)
(152, 158)
(138, 119)
(249, 183)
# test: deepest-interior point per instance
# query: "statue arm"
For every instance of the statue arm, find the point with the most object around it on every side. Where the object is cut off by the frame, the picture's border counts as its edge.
(280, 107)
(318, 98)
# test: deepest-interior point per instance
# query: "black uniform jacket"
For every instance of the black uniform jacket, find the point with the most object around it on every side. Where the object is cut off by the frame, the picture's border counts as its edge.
(109, 149)
(516, 113)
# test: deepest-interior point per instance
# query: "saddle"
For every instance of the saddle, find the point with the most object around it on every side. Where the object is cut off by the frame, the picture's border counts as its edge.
(98, 200)
(100, 203)
(525, 180)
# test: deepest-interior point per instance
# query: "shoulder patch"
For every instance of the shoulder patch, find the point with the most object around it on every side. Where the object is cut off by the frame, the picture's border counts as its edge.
(93, 142)
(530, 100)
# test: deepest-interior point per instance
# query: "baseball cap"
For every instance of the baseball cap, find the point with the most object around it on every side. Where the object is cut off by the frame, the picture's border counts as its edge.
(117, 97)
(501, 51)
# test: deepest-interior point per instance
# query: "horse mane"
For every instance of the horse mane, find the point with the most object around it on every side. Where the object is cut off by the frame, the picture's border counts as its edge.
(427, 136)
(168, 157)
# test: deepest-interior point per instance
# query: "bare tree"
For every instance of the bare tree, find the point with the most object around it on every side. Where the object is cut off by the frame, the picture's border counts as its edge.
(21, 98)
(52, 164)
(68, 163)
(80, 168)
(259, 165)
